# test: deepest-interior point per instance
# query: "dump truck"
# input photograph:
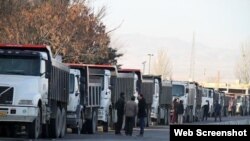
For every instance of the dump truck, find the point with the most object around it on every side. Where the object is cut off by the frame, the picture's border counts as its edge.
(34, 90)
(85, 99)
(158, 96)
(191, 95)
(151, 88)
(165, 101)
(207, 95)
(127, 81)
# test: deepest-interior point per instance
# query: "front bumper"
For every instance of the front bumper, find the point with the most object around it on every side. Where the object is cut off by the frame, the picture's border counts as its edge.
(18, 114)
(101, 115)
(153, 115)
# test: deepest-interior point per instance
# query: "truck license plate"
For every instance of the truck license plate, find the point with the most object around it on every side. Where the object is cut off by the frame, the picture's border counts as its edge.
(2, 114)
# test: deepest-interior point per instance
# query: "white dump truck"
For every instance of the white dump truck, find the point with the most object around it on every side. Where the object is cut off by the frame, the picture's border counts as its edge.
(151, 88)
(207, 96)
(105, 110)
(242, 103)
(158, 96)
(165, 100)
(84, 98)
(127, 81)
(33, 91)
(190, 93)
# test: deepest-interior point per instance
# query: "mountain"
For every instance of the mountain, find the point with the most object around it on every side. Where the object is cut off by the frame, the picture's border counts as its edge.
(209, 60)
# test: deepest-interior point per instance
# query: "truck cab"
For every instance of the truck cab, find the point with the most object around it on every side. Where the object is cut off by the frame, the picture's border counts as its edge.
(33, 90)
(207, 96)
(180, 90)
(75, 116)
(105, 103)
(155, 104)
(188, 93)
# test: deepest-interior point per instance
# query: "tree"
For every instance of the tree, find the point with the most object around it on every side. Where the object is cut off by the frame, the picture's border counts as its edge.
(72, 30)
(243, 64)
(162, 65)
(111, 57)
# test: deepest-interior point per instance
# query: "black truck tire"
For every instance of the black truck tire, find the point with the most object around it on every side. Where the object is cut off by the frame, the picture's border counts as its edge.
(63, 123)
(34, 128)
(55, 126)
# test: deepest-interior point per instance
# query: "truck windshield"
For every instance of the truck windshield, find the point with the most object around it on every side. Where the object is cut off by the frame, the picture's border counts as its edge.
(239, 99)
(178, 90)
(71, 83)
(20, 65)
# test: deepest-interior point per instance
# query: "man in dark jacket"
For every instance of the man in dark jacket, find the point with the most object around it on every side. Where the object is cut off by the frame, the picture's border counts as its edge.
(141, 113)
(217, 110)
(180, 111)
(205, 110)
(120, 112)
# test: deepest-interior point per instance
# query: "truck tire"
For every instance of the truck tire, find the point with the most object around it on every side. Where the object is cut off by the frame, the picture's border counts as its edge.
(158, 122)
(93, 123)
(105, 125)
(165, 122)
(34, 128)
(45, 131)
(63, 123)
(147, 120)
(78, 130)
(55, 126)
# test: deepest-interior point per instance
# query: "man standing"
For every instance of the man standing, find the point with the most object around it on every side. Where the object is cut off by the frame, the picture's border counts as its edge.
(141, 113)
(120, 112)
(180, 111)
(130, 110)
(175, 115)
(217, 111)
(205, 110)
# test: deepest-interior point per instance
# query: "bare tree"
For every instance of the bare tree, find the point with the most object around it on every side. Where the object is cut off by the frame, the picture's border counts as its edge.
(72, 30)
(162, 64)
(243, 64)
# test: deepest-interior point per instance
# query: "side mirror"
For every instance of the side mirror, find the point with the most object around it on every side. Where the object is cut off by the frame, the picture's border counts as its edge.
(82, 80)
(47, 69)
(187, 90)
(76, 94)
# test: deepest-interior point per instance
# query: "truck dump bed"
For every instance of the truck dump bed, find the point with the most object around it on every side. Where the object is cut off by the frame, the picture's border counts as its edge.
(166, 95)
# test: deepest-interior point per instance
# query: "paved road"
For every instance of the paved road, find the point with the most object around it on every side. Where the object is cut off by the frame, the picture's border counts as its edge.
(157, 133)
(225, 120)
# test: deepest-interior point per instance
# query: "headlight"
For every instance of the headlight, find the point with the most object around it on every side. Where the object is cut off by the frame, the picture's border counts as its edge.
(25, 102)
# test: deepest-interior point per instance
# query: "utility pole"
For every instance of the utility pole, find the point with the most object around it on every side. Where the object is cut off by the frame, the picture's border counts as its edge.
(218, 80)
(150, 55)
(143, 64)
(192, 60)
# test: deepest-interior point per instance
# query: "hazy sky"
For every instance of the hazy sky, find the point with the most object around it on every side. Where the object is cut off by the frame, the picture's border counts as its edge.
(220, 27)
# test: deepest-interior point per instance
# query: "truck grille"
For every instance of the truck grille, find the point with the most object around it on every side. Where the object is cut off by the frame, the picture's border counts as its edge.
(6, 95)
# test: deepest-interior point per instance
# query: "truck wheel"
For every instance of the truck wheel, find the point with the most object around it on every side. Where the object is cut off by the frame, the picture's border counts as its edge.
(146, 121)
(148, 118)
(78, 129)
(92, 123)
(34, 128)
(45, 131)
(55, 124)
(165, 117)
(105, 127)
(111, 118)
(106, 124)
(11, 130)
(158, 117)
(63, 123)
